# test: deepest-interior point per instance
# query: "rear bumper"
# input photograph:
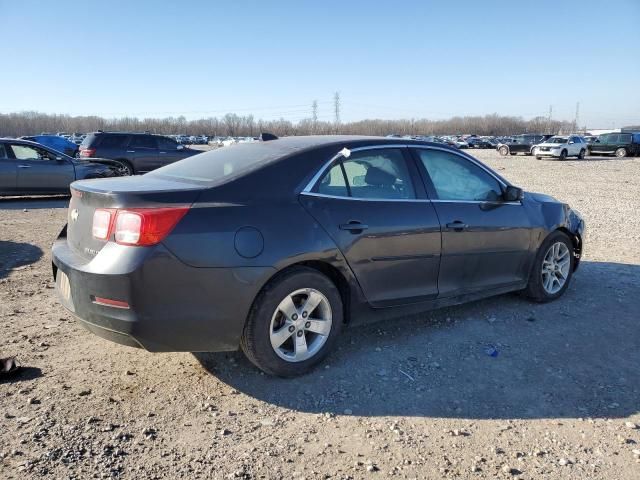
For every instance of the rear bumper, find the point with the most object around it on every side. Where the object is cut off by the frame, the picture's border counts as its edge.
(172, 306)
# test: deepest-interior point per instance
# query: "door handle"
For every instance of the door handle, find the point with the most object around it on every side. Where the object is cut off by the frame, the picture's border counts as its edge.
(353, 227)
(458, 226)
(24, 166)
(131, 151)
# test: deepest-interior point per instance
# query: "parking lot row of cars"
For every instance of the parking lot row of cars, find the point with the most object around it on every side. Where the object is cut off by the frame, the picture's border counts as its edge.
(622, 144)
(48, 163)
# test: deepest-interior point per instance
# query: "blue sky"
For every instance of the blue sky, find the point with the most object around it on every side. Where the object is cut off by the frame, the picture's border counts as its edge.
(397, 59)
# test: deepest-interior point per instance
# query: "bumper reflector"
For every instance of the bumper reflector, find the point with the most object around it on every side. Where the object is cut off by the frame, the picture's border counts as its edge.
(108, 302)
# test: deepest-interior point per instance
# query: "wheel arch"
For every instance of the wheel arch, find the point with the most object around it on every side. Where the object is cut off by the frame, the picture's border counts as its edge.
(346, 287)
(576, 241)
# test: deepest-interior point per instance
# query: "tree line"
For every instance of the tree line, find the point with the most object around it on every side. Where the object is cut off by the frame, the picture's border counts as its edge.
(32, 123)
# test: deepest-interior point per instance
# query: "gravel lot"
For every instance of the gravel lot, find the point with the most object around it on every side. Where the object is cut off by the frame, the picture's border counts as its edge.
(413, 398)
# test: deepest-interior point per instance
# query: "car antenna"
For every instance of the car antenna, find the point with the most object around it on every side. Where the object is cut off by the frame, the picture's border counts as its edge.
(265, 136)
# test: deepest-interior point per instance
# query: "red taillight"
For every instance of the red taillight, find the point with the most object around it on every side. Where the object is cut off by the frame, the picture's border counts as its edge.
(137, 226)
(102, 222)
(146, 226)
(87, 152)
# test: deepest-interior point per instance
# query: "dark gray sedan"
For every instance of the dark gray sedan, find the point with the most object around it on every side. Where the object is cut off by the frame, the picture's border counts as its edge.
(28, 168)
(274, 245)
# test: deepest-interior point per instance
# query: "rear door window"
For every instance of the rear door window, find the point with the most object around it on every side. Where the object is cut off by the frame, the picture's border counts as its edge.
(114, 141)
(612, 139)
(370, 174)
(143, 141)
(333, 183)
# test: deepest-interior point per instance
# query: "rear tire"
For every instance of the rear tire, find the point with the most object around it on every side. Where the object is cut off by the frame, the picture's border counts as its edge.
(621, 152)
(538, 287)
(582, 154)
(278, 353)
(538, 157)
(123, 168)
(503, 151)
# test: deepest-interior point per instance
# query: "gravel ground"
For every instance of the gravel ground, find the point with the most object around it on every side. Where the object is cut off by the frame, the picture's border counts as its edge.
(413, 398)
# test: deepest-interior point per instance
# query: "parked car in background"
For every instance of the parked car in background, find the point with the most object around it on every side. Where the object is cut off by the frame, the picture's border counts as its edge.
(77, 138)
(619, 144)
(481, 142)
(382, 226)
(58, 143)
(134, 152)
(29, 168)
(562, 147)
(521, 144)
(461, 143)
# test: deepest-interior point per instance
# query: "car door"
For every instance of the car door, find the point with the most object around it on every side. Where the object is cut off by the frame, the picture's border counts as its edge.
(485, 240)
(144, 153)
(168, 151)
(612, 143)
(379, 217)
(8, 172)
(41, 171)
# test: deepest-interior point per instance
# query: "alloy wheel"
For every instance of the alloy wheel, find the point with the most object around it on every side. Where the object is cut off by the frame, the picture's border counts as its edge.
(555, 268)
(301, 325)
(621, 152)
(123, 169)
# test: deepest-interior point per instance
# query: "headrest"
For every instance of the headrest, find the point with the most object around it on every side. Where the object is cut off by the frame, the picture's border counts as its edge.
(378, 177)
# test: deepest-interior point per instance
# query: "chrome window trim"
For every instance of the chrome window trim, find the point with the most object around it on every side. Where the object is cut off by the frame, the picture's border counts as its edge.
(406, 200)
(307, 189)
(317, 176)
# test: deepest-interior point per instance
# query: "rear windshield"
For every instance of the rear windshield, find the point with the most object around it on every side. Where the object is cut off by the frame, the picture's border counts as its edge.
(223, 164)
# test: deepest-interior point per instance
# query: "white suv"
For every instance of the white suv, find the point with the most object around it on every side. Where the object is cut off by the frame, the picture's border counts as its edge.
(561, 147)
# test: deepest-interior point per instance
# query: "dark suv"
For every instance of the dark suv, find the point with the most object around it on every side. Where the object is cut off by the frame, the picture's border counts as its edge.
(521, 144)
(134, 152)
(618, 144)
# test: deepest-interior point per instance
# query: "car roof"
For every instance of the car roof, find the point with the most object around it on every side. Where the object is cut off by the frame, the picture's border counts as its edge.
(296, 144)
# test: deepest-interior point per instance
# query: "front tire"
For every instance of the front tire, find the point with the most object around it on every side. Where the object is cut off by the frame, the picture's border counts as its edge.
(563, 155)
(552, 268)
(293, 323)
(582, 154)
(503, 151)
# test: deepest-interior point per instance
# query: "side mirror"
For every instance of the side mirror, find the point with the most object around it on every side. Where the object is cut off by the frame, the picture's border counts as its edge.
(571, 143)
(513, 194)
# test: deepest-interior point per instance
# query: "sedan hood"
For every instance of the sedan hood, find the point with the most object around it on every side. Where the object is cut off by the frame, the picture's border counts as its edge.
(552, 145)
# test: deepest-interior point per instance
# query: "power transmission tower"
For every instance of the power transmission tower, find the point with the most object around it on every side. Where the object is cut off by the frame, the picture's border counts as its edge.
(314, 116)
(549, 119)
(577, 120)
(336, 106)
